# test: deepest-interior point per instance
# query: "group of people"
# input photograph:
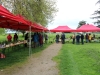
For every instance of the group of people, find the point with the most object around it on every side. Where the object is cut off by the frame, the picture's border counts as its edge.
(79, 38)
(15, 37)
(62, 37)
(36, 39)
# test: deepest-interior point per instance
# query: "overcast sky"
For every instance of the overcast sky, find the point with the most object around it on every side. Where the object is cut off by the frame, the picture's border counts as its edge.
(72, 11)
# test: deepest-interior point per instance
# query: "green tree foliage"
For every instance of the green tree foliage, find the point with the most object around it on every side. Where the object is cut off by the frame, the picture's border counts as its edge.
(7, 3)
(81, 23)
(97, 14)
(97, 22)
(2, 30)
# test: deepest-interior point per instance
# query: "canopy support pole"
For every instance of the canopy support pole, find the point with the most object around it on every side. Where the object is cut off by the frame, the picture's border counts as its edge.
(43, 36)
(30, 51)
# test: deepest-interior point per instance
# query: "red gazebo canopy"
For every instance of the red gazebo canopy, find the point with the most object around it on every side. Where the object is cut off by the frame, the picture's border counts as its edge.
(43, 28)
(88, 28)
(17, 22)
(62, 29)
(34, 26)
(10, 21)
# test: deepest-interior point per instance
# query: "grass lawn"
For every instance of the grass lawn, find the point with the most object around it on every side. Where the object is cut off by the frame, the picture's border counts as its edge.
(72, 59)
(17, 54)
(79, 59)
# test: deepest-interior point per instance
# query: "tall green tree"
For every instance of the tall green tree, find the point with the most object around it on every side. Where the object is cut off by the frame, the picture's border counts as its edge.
(81, 23)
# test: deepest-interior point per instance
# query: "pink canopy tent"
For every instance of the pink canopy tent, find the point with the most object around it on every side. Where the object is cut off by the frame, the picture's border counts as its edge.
(62, 29)
(87, 28)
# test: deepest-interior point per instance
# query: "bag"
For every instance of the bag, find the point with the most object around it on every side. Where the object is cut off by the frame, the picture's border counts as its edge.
(2, 55)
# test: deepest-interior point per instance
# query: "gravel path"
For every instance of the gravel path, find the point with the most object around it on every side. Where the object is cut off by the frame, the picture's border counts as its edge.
(41, 64)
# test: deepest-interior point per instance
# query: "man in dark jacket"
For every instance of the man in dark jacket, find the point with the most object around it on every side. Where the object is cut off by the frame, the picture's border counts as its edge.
(82, 38)
(77, 39)
(57, 38)
(63, 38)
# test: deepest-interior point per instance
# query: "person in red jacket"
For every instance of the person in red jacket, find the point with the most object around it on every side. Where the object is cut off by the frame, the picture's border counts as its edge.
(9, 37)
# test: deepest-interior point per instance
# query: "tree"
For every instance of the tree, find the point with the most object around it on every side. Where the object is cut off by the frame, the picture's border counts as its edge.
(7, 3)
(98, 1)
(81, 23)
(97, 14)
(97, 22)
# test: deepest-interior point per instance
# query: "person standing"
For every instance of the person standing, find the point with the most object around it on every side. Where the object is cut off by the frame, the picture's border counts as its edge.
(46, 38)
(73, 37)
(57, 38)
(40, 39)
(15, 37)
(93, 36)
(82, 38)
(90, 37)
(87, 37)
(26, 38)
(9, 38)
(63, 38)
(78, 39)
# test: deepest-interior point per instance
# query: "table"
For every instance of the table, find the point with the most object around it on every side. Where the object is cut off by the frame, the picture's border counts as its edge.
(11, 45)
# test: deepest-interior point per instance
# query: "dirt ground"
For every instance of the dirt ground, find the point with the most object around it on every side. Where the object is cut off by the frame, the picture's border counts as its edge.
(37, 64)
